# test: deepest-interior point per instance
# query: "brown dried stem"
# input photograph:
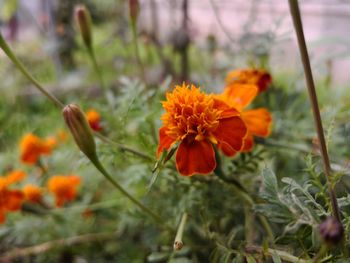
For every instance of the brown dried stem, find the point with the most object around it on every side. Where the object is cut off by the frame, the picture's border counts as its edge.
(295, 12)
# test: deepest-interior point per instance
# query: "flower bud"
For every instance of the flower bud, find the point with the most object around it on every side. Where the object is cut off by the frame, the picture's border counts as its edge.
(83, 19)
(80, 129)
(134, 9)
(331, 230)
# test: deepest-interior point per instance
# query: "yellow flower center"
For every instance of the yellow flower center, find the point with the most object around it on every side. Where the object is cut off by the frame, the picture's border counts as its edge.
(190, 114)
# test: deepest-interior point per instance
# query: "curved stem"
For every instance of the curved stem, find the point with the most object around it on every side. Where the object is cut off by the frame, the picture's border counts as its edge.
(7, 50)
(124, 147)
(103, 171)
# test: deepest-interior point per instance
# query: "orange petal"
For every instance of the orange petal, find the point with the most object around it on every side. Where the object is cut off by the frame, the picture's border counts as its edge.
(240, 95)
(230, 135)
(14, 200)
(164, 141)
(15, 176)
(248, 143)
(227, 111)
(258, 121)
(195, 157)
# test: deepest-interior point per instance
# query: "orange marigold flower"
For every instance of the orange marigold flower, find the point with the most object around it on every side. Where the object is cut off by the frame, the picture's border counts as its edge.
(32, 147)
(94, 119)
(258, 121)
(10, 200)
(33, 193)
(64, 188)
(198, 121)
(259, 77)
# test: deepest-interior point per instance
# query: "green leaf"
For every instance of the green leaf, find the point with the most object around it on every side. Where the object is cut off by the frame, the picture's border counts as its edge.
(250, 259)
(270, 186)
(276, 258)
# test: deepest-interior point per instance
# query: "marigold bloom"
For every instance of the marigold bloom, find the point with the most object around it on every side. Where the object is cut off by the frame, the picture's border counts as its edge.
(94, 119)
(258, 77)
(32, 147)
(10, 200)
(258, 121)
(33, 193)
(64, 188)
(198, 121)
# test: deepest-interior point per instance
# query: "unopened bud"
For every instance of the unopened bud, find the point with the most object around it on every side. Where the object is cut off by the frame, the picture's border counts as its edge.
(331, 230)
(134, 9)
(80, 129)
(83, 19)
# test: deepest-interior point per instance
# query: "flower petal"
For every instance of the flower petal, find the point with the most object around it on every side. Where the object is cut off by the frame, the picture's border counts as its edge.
(14, 200)
(240, 95)
(164, 141)
(195, 157)
(227, 111)
(258, 121)
(230, 135)
(248, 143)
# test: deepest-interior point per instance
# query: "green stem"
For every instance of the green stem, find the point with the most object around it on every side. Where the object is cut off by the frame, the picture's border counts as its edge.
(98, 72)
(295, 12)
(323, 250)
(124, 147)
(178, 244)
(103, 171)
(137, 50)
(7, 50)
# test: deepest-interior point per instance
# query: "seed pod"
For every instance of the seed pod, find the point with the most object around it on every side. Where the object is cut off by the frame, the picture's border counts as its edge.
(331, 230)
(80, 129)
(83, 19)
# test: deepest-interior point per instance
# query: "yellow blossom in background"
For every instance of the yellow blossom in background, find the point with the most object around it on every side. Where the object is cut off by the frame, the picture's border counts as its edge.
(64, 188)
(259, 77)
(32, 147)
(10, 200)
(94, 119)
(33, 193)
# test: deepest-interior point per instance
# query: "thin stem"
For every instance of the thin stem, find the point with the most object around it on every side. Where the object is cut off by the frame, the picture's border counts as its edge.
(124, 147)
(323, 250)
(178, 244)
(246, 197)
(103, 171)
(137, 50)
(98, 72)
(295, 12)
(7, 50)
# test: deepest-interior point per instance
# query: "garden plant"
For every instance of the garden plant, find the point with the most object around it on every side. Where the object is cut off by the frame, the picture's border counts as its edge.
(164, 153)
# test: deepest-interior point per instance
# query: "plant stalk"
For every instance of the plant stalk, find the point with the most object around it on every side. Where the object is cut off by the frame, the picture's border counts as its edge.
(137, 50)
(98, 72)
(103, 171)
(7, 50)
(295, 12)
(178, 244)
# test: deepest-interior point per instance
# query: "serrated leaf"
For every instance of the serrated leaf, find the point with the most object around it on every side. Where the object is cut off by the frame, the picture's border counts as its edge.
(270, 186)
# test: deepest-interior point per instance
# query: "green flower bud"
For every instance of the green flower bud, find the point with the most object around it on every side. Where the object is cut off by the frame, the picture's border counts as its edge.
(83, 19)
(80, 129)
(134, 8)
